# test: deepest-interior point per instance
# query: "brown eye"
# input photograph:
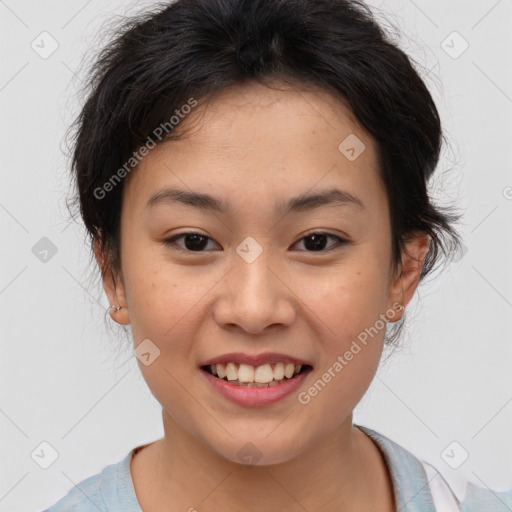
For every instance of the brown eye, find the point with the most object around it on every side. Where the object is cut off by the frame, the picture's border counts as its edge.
(196, 242)
(316, 242)
(192, 242)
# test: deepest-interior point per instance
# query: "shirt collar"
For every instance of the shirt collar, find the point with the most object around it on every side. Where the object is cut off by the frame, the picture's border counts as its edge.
(410, 483)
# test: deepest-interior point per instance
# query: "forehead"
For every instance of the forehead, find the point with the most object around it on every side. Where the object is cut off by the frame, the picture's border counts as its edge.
(252, 139)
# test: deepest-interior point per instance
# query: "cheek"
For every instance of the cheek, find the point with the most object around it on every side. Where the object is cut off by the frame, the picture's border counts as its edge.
(351, 334)
(164, 308)
(348, 300)
(161, 295)
(348, 313)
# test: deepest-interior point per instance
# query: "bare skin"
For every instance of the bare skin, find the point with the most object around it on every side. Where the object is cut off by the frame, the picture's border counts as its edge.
(274, 488)
(257, 147)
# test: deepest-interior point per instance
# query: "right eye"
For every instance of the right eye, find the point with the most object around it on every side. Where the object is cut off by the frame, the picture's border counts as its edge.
(192, 242)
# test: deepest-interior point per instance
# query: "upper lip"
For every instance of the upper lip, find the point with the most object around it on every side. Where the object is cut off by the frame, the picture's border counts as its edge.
(255, 360)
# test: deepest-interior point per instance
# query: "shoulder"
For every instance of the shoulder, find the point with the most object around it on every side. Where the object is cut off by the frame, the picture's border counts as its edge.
(471, 498)
(83, 497)
(419, 486)
(479, 498)
(108, 491)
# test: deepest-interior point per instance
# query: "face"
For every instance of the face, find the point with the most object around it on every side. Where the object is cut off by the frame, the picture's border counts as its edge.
(258, 274)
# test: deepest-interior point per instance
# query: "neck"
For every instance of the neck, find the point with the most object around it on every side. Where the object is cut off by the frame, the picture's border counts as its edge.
(343, 469)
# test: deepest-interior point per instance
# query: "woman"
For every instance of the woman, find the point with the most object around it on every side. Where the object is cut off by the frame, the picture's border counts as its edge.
(253, 176)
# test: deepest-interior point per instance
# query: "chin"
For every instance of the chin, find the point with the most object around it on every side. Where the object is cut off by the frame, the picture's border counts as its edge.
(260, 450)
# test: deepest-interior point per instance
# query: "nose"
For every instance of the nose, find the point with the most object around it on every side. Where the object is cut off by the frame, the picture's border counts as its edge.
(255, 297)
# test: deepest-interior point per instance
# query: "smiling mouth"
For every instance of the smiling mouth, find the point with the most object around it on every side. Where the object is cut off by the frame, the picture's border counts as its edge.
(266, 375)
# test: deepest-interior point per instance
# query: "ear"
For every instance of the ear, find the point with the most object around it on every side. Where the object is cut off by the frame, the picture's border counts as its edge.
(407, 277)
(114, 288)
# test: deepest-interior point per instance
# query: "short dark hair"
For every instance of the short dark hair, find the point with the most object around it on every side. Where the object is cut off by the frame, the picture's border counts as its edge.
(185, 49)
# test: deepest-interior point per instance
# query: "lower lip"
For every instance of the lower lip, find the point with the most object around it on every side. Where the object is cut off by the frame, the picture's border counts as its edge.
(252, 396)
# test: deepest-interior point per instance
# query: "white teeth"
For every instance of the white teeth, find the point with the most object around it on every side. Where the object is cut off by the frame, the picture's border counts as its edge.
(246, 373)
(221, 370)
(289, 370)
(263, 374)
(278, 371)
(260, 376)
(231, 371)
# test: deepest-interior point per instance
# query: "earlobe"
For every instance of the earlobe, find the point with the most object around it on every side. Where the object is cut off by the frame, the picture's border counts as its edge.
(113, 287)
(413, 256)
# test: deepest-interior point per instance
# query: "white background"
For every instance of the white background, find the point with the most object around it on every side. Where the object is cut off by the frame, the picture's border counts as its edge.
(63, 380)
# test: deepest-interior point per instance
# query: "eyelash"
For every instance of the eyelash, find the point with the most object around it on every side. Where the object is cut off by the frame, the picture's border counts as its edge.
(171, 242)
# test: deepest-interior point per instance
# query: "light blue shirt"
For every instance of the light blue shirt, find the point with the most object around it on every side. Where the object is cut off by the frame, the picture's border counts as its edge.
(112, 489)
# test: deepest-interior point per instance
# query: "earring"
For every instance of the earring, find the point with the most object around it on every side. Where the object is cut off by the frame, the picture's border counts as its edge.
(116, 308)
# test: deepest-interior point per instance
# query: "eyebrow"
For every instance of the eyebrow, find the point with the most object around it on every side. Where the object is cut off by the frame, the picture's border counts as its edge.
(305, 202)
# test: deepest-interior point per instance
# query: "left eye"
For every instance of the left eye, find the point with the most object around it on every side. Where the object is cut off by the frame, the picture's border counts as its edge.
(195, 242)
(316, 242)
